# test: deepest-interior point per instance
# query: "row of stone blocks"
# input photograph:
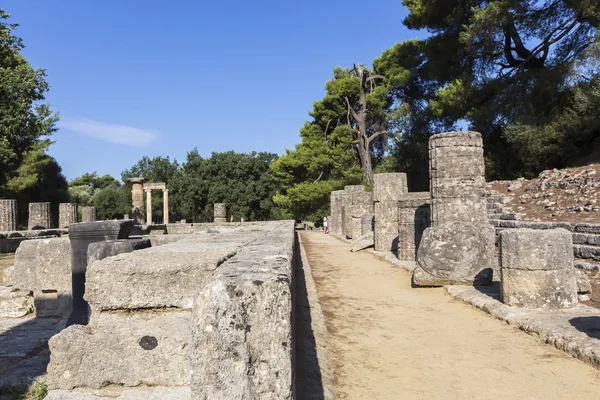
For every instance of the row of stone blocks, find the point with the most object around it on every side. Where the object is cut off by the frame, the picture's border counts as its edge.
(209, 315)
(40, 215)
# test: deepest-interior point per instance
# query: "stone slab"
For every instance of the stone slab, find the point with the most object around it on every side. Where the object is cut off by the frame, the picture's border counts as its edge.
(389, 186)
(531, 249)
(15, 303)
(109, 248)
(365, 241)
(386, 226)
(158, 393)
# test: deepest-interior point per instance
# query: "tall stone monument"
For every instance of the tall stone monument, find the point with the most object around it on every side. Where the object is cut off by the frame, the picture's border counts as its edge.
(459, 247)
(8, 215)
(88, 214)
(67, 214)
(137, 200)
(336, 223)
(220, 213)
(40, 216)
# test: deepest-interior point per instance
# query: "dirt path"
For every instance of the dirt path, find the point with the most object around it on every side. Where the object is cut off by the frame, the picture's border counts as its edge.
(388, 341)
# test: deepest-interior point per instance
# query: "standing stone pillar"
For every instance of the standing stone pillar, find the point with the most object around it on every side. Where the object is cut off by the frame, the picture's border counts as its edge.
(137, 200)
(40, 216)
(387, 190)
(166, 206)
(367, 224)
(81, 235)
(413, 219)
(67, 214)
(459, 248)
(359, 203)
(149, 207)
(347, 206)
(8, 215)
(336, 204)
(88, 214)
(220, 213)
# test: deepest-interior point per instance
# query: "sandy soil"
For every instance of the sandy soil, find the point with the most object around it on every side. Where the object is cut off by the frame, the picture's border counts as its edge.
(390, 341)
(6, 260)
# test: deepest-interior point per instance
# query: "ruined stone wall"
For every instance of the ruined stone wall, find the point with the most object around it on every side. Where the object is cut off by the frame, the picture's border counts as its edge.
(413, 219)
(220, 213)
(67, 214)
(8, 215)
(336, 222)
(357, 204)
(88, 214)
(40, 216)
(388, 189)
(347, 209)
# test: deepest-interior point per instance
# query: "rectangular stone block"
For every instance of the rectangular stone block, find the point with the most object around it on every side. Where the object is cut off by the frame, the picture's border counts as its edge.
(530, 249)
(389, 186)
(555, 288)
(109, 248)
(367, 224)
(413, 219)
(336, 205)
(386, 226)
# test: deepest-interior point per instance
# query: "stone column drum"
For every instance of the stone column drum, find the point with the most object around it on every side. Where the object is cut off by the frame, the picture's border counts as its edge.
(81, 235)
(166, 206)
(537, 268)
(40, 216)
(459, 247)
(137, 200)
(413, 219)
(88, 214)
(347, 207)
(67, 214)
(387, 190)
(336, 204)
(220, 213)
(8, 215)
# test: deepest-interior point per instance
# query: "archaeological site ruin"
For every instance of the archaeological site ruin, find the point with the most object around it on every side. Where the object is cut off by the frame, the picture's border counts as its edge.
(224, 310)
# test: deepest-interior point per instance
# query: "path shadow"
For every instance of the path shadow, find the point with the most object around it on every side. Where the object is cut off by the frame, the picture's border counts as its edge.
(588, 325)
(492, 290)
(309, 381)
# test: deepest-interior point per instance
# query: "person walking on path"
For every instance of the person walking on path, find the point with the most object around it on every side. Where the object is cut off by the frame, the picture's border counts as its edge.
(325, 227)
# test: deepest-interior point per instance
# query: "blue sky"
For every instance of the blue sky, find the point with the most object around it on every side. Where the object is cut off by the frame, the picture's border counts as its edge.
(132, 78)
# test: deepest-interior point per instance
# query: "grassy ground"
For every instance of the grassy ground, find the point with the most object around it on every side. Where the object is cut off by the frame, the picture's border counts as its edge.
(6, 260)
(37, 391)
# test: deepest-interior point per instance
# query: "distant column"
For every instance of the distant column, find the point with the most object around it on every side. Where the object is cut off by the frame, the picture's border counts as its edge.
(137, 200)
(8, 215)
(220, 213)
(148, 207)
(67, 214)
(40, 216)
(88, 214)
(166, 206)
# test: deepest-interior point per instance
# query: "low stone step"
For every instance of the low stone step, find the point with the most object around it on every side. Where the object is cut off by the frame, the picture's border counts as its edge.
(586, 252)
(505, 216)
(156, 393)
(587, 266)
(587, 228)
(586, 238)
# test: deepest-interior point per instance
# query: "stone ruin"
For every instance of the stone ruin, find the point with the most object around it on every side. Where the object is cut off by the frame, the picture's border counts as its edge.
(88, 214)
(40, 216)
(220, 213)
(67, 214)
(8, 215)
(388, 189)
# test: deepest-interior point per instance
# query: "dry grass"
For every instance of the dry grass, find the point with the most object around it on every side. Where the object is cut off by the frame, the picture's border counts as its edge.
(37, 391)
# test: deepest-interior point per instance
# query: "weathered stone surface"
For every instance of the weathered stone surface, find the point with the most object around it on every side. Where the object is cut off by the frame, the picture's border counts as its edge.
(539, 288)
(455, 254)
(586, 238)
(40, 216)
(537, 268)
(164, 276)
(15, 303)
(587, 228)
(386, 226)
(457, 178)
(587, 252)
(137, 200)
(67, 214)
(529, 249)
(128, 349)
(413, 219)
(354, 188)
(108, 248)
(88, 214)
(44, 267)
(158, 393)
(336, 221)
(583, 283)
(8, 215)
(365, 241)
(220, 210)
(241, 324)
(389, 186)
(367, 223)
(356, 205)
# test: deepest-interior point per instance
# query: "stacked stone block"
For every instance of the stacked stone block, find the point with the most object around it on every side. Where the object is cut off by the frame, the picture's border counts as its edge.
(357, 204)
(537, 268)
(347, 207)
(388, 189)
(40, 216)
(220, 213)
(336, 223)
(67, 214)
(8, 215)
(88, 214)
(413, 219)
(367, 224)
(459, 246)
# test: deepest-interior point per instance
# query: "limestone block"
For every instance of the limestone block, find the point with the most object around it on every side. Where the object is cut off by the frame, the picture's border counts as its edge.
(389, 186)
(242, 324)
(220, 211)
(108, 248)
(386, 226)
(15, 303)
(583, 283)
(354, 188)
(88, 214)
(8, 215)
(364, 241)
(413, 219)
(355, 227)
(44, 267)
(452, 254)
(336, 205)
(127, 349)
(67, 214)
(158, 393)
(356, 205)
(531, 249)
(539, 288)
(367, 223)
(40, 216)
(537, 268)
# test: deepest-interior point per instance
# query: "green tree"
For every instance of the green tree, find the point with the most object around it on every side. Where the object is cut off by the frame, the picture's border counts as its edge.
(25, 122)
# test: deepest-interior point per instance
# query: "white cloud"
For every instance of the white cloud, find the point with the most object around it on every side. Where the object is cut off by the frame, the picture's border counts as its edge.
(113, 133)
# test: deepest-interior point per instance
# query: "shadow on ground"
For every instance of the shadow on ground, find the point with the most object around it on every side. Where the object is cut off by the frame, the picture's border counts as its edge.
(588, 325)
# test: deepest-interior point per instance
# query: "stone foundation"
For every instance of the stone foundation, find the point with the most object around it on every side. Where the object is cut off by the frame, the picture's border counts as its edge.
(336, 222)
